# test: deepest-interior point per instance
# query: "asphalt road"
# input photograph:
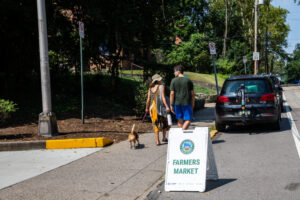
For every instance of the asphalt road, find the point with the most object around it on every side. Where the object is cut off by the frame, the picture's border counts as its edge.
(254, 162)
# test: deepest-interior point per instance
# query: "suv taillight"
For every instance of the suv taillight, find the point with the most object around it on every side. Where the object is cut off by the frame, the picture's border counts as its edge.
(267, 97)
(222, 99)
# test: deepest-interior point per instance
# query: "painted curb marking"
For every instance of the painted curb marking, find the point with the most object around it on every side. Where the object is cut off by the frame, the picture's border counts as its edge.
(213, 133)
(78, 143)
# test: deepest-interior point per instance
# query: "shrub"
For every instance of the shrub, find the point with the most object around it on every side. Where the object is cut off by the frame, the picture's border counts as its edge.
(7, 106)
(140, 98)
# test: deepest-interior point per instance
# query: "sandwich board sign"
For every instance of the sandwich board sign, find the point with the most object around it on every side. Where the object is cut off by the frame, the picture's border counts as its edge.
(190, 160)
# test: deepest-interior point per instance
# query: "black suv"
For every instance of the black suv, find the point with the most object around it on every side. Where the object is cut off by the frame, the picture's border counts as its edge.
(247, 99)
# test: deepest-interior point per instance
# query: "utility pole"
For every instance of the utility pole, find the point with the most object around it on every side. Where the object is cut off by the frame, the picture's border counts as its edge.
(47, 119)
(255, 36)
(257, 2)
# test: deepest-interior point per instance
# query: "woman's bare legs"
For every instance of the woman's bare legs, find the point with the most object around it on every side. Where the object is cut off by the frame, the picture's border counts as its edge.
(157, 138)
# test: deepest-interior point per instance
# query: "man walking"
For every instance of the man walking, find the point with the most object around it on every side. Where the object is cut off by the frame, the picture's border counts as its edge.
(182, 98)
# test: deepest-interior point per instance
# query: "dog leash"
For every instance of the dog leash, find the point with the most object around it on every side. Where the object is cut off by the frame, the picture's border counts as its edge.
(144, 117)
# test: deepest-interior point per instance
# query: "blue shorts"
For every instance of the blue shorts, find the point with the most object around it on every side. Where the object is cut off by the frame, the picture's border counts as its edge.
(183, 112)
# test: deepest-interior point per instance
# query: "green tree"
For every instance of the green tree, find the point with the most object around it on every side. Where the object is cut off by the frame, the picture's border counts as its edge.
(193, 54)
(292, 70)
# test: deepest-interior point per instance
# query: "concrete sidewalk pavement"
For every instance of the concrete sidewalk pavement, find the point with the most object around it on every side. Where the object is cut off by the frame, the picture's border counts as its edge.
(116, 172)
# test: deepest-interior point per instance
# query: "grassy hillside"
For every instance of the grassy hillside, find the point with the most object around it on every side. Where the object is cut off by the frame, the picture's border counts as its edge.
(209, 78)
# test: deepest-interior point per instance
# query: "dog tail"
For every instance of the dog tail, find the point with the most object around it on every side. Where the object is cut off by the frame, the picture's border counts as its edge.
(132, 130)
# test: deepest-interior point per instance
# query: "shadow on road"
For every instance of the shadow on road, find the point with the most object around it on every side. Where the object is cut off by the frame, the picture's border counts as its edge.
(218, 141)
(258, 128)
(211, 185)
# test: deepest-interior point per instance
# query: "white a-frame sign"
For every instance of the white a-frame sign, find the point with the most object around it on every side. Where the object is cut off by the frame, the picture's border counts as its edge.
(190, 160)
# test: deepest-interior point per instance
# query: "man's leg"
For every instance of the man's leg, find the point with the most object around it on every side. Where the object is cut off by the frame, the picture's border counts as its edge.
(187, 116)
(180, 123)
(186, 124)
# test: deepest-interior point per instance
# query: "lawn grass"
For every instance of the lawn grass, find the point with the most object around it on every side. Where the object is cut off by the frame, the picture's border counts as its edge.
(134, 72)
(209, 78)
(204, 90)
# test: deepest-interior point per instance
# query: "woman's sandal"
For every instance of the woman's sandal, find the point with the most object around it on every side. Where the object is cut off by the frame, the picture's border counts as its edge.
(165, 140)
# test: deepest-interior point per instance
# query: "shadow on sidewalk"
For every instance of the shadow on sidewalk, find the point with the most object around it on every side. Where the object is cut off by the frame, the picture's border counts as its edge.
(211, 185)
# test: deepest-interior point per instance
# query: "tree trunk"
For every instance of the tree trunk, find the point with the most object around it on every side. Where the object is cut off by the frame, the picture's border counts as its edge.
(272, 64)
(226, 29)
(266, 51)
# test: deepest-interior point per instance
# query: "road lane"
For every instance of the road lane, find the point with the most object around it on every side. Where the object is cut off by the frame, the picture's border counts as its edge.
(292, 103)
(253, 162)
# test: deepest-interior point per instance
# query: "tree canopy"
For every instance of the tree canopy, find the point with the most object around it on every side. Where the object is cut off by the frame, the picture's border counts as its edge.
(142, 31)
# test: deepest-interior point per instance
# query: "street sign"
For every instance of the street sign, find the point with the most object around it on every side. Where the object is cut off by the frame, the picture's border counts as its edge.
(81, 29)
(190, 160)
(255, 55)
(245, 59)
(212, 48)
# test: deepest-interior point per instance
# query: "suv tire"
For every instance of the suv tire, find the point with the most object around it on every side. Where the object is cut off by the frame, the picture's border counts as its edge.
(276, 125)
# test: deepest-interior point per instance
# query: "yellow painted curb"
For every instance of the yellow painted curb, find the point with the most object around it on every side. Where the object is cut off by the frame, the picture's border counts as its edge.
(213, 133)
(78, 143)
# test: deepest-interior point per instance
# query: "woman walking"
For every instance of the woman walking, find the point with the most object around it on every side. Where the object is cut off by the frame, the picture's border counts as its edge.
(157, 106)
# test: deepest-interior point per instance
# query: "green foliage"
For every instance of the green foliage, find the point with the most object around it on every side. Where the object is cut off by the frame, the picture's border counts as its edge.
(7, 106)
(292, 70)
(225, 65)
(193, 54)
(140, 98)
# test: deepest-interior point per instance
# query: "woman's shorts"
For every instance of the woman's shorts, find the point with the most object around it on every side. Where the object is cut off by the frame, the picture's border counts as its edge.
(162, 124)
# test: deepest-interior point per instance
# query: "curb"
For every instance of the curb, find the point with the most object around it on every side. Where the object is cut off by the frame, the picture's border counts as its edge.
(55, 144)
(213, 133)
(78, 143)
(63, 144)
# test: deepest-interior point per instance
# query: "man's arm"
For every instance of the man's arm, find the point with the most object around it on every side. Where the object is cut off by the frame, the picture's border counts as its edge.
(172, 94)
(193, 99)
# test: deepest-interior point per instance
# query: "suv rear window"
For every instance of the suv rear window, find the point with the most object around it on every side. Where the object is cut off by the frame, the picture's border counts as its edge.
(252, 86)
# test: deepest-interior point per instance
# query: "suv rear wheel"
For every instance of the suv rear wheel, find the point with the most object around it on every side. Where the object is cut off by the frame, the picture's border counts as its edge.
(276, 125)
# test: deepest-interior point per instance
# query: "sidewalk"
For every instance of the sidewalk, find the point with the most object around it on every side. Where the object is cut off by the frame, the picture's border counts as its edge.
(116, 172)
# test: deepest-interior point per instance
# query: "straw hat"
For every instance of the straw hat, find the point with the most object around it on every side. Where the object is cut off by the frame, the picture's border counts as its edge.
(156, 77)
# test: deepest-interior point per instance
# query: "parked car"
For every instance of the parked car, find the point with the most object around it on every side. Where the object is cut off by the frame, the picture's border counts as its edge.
(277, 85)
(295, 82)
(247, 99)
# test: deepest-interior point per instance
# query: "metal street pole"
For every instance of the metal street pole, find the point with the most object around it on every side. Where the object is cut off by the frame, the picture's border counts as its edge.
(47, 119)
(255, 37)
(82, 93)
(217, 86)
(81, 35)
(245, 68)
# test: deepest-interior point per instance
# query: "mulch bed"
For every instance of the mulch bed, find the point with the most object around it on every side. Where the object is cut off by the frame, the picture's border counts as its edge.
(115, 128)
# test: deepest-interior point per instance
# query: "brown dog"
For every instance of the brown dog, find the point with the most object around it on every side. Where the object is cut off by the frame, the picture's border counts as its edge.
(133, 138)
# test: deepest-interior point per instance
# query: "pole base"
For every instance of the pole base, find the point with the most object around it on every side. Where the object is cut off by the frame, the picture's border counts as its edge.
(47, 124)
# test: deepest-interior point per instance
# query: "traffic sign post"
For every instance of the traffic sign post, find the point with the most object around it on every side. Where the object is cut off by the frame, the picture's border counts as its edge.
(212, 50)
(81, 35)
(190, 160)
(245, 63)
